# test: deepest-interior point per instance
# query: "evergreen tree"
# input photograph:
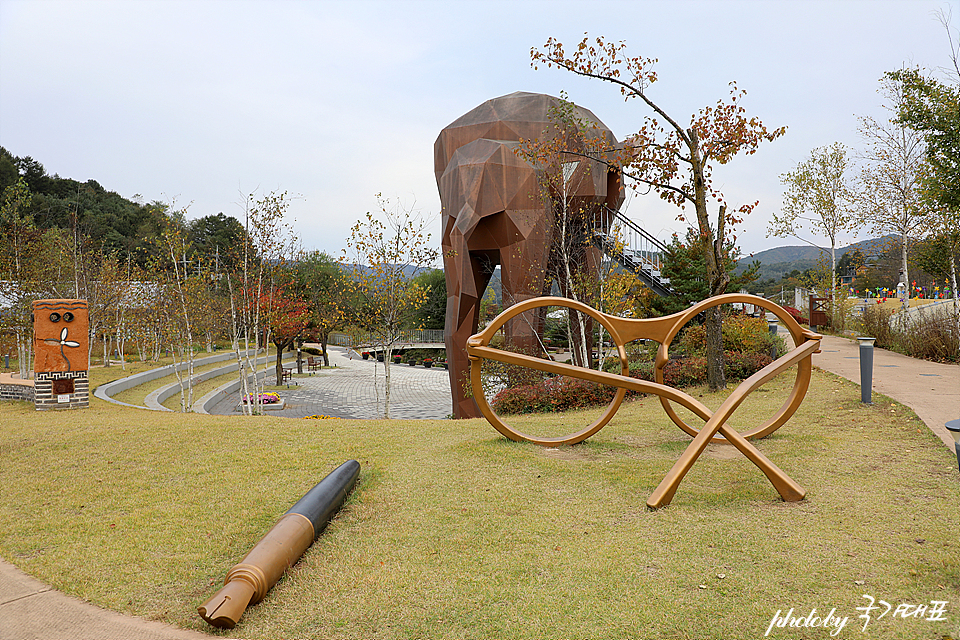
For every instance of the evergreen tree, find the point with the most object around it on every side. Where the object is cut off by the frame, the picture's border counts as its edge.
(684, 266)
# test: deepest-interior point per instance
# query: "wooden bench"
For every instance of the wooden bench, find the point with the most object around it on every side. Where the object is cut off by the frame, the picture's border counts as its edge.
(286, 375)
(314, 363)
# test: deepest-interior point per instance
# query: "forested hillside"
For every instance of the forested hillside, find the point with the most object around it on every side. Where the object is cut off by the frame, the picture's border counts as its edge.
(62, 238)
(104, 221)
(779, 261)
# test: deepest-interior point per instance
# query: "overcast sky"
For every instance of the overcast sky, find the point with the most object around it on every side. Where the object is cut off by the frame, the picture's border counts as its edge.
(198, 102)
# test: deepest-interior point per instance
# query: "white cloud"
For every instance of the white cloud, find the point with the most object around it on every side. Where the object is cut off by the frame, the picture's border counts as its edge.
(340, 100)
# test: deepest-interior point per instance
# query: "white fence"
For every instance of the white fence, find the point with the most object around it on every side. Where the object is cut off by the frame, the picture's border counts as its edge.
(935, 309)
(434, 336)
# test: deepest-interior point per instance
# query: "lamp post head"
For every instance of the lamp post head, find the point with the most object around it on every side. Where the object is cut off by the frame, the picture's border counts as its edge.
(954, 428)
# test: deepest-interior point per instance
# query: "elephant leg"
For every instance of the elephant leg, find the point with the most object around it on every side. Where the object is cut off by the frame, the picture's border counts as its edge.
(523, 273)
(467, 277)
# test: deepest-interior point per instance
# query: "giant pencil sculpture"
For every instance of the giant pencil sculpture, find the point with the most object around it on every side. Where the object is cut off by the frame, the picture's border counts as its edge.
(248, 582)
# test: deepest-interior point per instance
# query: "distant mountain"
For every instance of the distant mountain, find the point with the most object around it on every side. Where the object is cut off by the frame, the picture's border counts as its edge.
(409, 271)
(776, 262)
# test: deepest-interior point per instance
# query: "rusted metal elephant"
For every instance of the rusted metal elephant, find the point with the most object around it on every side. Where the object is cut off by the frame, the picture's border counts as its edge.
(494, 212)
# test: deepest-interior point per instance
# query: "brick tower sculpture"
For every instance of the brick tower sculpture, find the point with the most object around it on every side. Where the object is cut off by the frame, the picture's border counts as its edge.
(61, 344)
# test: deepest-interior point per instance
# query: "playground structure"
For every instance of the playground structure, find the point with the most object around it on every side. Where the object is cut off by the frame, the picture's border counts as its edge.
(497, 211)
(662, 330)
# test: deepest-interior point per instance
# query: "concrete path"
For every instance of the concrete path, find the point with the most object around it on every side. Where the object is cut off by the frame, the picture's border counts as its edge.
(931, 389)
(356, 389)
(30, 610)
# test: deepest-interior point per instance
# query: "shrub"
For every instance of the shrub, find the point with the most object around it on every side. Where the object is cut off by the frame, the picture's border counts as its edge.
(740, 333)
(561, 394)
(745, 334)
(876, 324)
(935, 337)
(420, 354)
(500, 375)
(932, 337)
(740, 365)
(843, 318)
(550, 395)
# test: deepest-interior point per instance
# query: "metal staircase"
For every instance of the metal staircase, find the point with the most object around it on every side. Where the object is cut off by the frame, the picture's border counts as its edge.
(634, 249)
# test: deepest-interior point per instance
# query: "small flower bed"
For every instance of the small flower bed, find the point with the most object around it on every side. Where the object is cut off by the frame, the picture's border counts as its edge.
(319, 416)
(428, 362)
(271, 397)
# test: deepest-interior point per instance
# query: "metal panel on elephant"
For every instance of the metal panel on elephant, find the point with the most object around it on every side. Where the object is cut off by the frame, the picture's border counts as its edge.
(495, 211)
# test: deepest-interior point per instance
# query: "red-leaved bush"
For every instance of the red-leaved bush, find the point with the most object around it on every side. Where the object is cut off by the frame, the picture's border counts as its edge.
(552, 394)
(562, 394)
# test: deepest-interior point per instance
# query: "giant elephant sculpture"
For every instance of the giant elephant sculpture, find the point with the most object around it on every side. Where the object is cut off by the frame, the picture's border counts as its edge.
(495, 211)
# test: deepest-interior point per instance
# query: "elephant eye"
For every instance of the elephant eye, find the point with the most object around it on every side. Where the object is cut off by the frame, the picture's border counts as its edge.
(68, 317)
(54, 317)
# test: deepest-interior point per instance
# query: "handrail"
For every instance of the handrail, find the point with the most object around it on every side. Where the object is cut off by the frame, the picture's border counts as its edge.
(641, 252)
(619, 217)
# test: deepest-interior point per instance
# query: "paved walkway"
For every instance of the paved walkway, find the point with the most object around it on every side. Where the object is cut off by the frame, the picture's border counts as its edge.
(356, 389)
(30, 610)
(931, 389)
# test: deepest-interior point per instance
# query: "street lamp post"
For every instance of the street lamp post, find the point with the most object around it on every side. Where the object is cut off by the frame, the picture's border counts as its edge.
(954, 428)
(866, 369)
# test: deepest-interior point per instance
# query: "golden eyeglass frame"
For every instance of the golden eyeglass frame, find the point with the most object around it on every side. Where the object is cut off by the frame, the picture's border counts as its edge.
(662, 330)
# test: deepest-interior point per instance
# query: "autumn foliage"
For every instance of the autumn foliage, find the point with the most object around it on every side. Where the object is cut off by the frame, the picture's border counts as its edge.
(675, 160)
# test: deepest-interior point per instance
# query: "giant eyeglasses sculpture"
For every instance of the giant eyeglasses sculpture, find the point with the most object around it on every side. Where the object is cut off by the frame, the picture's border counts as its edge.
(662, 330)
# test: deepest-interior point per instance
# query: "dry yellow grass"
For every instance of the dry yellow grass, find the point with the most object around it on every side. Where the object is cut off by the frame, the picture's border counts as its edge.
(454, 532)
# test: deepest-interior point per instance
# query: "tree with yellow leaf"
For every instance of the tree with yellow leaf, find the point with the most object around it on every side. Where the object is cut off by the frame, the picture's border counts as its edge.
(387, 251)
(674, 160)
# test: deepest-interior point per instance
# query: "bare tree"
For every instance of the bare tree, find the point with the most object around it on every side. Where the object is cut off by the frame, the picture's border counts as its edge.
(386, 255)
(673, 160)
(930, 107)
(887, 198)
(269, 242)
(818, 197)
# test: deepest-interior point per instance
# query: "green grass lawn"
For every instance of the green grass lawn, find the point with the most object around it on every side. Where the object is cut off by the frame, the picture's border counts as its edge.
(455, 532)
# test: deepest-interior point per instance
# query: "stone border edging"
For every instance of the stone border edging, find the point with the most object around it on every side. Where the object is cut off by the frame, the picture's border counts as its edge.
(106, 390)
(155, 399)
(203, 404)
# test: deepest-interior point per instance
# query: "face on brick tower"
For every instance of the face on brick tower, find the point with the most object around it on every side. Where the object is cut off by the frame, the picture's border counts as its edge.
(60, 329)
